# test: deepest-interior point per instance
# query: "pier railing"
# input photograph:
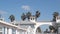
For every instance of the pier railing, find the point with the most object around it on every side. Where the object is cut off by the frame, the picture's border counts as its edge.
(46, 33)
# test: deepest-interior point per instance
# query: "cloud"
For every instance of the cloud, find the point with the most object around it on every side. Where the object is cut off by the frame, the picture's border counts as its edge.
(26, 7)
(3, 12)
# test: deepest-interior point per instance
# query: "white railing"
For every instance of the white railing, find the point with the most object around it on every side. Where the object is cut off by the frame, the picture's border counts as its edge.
(46, 33)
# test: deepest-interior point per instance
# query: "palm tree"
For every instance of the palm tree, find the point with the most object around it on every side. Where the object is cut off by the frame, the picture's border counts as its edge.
(23, 16)
(39, 30)
(28, 14)
(37, 14)
(12, 18)
(55, 14)
(52, 28)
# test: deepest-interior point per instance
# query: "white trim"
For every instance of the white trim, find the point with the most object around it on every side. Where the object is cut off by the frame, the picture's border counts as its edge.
(11, 25)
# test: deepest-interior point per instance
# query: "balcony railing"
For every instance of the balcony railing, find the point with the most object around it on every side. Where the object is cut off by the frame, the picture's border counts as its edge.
(46, 33)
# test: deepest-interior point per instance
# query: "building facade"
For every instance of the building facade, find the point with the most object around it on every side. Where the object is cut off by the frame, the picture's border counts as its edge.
(26, 27)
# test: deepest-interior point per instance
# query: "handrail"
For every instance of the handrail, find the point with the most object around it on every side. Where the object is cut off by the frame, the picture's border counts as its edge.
(46, 33)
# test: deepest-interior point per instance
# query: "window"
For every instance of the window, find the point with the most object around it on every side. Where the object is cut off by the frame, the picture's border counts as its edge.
(31, 18)
(16, 24)
(58, 17)
(7, 30)
(1, 30)
(13, 31)
(59, 30)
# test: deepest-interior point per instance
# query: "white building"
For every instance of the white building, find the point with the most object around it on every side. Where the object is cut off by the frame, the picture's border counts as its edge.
(7, 28)
(26, 27)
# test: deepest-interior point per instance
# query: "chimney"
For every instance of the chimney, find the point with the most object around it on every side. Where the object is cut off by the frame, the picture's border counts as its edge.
(32, 19)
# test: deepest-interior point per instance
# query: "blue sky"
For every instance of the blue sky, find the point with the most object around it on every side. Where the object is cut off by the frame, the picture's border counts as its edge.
(17, 7)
